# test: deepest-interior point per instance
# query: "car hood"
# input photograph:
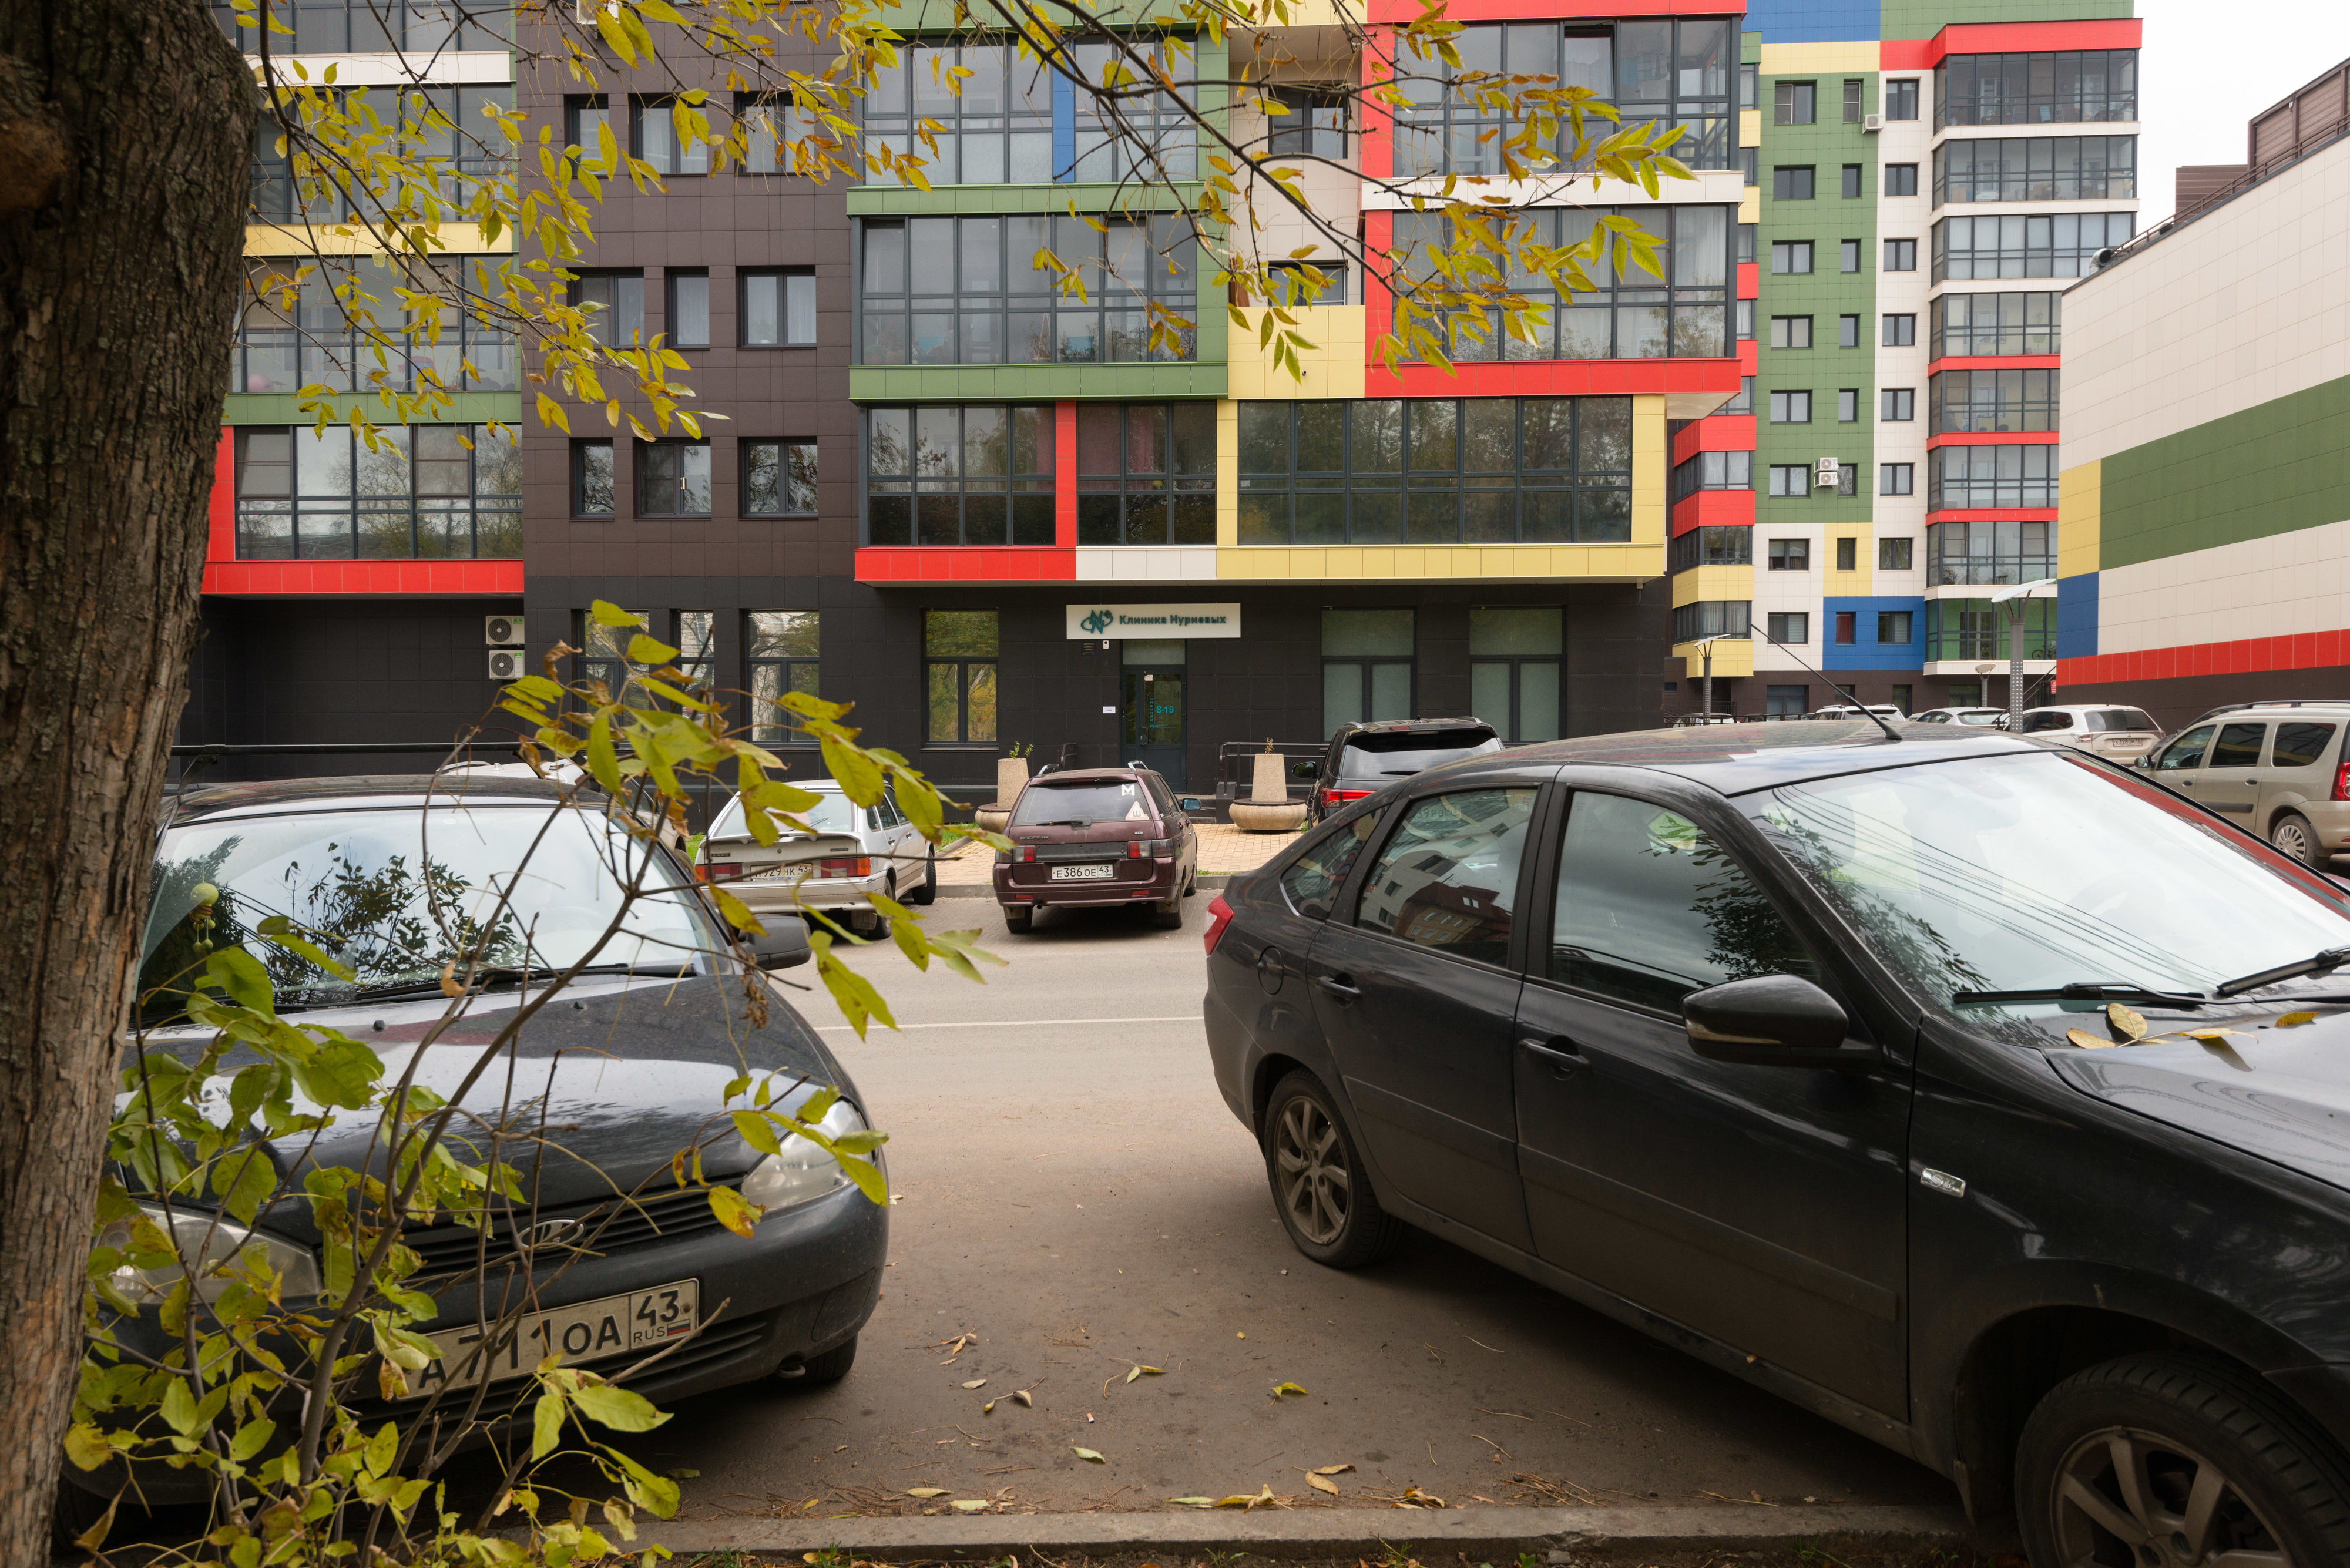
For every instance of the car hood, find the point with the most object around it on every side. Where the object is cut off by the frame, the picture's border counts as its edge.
(617, 1073)
(2281, 1094)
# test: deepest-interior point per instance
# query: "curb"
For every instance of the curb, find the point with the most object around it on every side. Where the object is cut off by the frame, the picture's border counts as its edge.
(1206, 882)
(1314, 1532)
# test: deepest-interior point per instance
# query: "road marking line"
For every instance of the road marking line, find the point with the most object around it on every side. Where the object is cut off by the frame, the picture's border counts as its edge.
(1021, 1022)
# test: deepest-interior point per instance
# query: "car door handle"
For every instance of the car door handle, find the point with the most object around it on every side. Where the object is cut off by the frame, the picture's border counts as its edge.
(1341, 986)
(1560, 1054)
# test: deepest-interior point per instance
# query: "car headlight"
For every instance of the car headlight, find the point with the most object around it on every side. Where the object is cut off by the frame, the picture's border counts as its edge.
(803, 1171)
(207, 1242)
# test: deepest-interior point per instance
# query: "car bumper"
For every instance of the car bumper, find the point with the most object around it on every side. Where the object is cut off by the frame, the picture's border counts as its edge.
(1129, 882)
(2330, 820)
(777, 897)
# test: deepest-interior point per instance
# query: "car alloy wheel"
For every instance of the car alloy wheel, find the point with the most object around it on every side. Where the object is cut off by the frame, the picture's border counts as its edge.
(2126, 1496)
(1316, 1187)
(2294, 839)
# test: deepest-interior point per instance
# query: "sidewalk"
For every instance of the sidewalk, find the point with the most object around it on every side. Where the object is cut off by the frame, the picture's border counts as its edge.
(1223, 850)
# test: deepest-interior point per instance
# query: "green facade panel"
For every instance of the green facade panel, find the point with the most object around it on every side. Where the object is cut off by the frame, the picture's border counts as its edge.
(1924, 18)
(283, 408)
(2275, 468)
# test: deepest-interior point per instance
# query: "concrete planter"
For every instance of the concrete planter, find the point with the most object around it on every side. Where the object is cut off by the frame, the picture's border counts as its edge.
(995, 819)
(1010, 777)
(1250, 817)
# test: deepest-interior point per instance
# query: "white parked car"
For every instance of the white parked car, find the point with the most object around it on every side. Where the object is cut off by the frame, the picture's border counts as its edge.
(1847, 711)
(2109, 731)
(1976, 718)
(854, 851)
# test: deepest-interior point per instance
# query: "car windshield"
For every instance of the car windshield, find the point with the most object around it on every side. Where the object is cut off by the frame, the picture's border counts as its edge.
(398, 893)
(1085, 803)
(1399, 753)
(830, 814)
(2017, 873)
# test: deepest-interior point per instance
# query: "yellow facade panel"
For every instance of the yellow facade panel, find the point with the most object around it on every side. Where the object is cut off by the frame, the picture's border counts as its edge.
(1228, 472)
(1750, 128)
(1413, 563)
(1711, 583)
(274, 240)
(1732, 657)
(1333, 367)
(1854, 56)
(1853, 584)
(2080, 518)
(1750, 206)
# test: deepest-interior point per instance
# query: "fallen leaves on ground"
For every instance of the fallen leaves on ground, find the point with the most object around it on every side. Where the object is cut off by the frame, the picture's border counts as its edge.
(926, 1491)
(1022, 1395)
(1412, 1497)
(976, 1382)
(1555, 1491)
(1319, 1477)
(1281, 1388)
(1089, 1456)
(970, 1505)
(1146, 1371)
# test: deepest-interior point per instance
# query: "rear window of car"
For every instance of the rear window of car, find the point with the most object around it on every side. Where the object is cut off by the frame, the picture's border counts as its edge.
(830, 814)
(2035, 723)
(1399, 753)
(1981, 721)
(2119, 719)
(1085, 803)
(2301, 745)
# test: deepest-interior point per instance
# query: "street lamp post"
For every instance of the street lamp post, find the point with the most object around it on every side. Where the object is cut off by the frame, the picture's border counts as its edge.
(1707, 643)
(2013, 600)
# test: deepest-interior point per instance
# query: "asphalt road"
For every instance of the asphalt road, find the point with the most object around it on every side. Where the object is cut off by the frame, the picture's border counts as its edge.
(1073, 1192)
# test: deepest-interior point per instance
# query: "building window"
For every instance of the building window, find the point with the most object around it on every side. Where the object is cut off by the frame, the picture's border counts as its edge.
(1366, 666)
(1901, 98)
(585, 122)
(1898, 404)
(1901, 180)
(1974, 477)
(779, 655)
(1746, 241)
(1713, 471)
(591, 479)
(958, 677)
(1852, 181)
(1714, 547)
(980, 474)
(1312, 122)
(1847, 477)
(1848, 255)
(1791, 555)
(998, 129)
(1436, 471)
(672, 479)
(1892, 626)
(1290, 282)
(1794, 103)
(444, 122)
(421, 492)
(1744, 403)
(1901, 256)
(1848, 628)
(1791, 479)
(1847, 331)
(689, 309)
(1106, 132)
(777, 308)
(1989, 552)
(1791, 183)
(1147, 473)
(1977, 630)
(1902, 699)
(602, 650)
(1617, 318)
(2036, 169)
(1849, 406)
(694, 634)
(1984, 402)
(1750, 167)
(1668, 73)
(1713, 618)
(1895, 479)
(1791, 332)
(1847, 552)
(1787, 702)
(1893, 555)
(778, 478)
(1790, 407)
(313, 344)
(1743, 313)
(2063, 87)
(775, 130)
(661, 139)
(1789, 625)
(1901, 330)
(1750, 84)
(1792, 257)
(2060, 244)
(1516, 660)
(1853, 87)
(966, 291)
(1985, 324)
(370, 27)
(614, 303)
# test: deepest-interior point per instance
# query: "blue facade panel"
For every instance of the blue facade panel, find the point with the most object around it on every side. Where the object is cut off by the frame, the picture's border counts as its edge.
(1865, 650)
(2076, 617)
(1812, 21)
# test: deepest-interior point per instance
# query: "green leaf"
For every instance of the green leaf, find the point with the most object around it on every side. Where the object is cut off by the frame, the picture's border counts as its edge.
(251, 1179)
(546, 1425)
(602, 761)
(1089, 1456)
(733, 1212)
(645, 649)
(238, 975)
(85, 1446)
(736, 912)
(859, 775)
(179, 1407)
(280, 929)
(605, 613)
(342, 1073)
(757, 1131)
(622, 1409)
(252, 1438)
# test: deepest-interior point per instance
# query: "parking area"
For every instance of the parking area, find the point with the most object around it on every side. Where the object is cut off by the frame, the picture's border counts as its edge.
(1223, 850)
(1075, 1202)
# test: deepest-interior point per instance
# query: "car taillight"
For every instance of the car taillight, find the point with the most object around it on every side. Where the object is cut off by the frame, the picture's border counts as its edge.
(1220, 915)
(1023, 852)
(2342, 780)
(846, 866)
(1333, 797)
(1146, 848)
(719, 872)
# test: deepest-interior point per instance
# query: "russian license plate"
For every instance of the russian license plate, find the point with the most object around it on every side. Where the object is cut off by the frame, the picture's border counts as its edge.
(585, 1330)
(1100, 872)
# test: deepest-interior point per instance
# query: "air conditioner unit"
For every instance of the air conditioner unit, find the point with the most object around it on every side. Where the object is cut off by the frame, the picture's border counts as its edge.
(502, 630)
(505, 664)
(1872, 122)
(1828, 473)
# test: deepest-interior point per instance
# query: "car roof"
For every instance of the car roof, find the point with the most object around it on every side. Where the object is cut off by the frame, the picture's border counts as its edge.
(1090, 775)
(365, 791)
(1406, 726)
(1736, 758)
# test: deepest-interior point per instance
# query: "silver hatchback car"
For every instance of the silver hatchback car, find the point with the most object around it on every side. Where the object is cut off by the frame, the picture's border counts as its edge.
(2277, 768)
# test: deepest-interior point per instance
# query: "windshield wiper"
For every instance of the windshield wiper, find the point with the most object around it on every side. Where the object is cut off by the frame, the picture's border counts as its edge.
(493, 974)
(2321, 962)
(2083, 991)
(508, 973)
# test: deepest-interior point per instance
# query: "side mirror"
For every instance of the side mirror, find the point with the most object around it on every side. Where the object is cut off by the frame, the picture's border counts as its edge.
(1306, 771)
(782, 945)
(1772, 1019)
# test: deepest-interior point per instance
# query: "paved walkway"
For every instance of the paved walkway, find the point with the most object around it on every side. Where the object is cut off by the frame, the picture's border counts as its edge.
(1223, 850)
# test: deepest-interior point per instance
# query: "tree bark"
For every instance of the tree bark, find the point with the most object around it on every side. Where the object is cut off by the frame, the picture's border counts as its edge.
(126, 132)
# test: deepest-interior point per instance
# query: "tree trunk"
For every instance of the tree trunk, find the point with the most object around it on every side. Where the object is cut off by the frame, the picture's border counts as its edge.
(126, 132)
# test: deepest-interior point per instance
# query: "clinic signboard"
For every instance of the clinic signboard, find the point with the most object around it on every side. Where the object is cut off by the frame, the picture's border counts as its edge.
(1153, 621)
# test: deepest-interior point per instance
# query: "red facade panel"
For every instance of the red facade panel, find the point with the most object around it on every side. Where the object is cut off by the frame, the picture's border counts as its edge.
(2307, 650)
(967, 564)
(1721, 432)
(1994, 438)
(2007, 39)
(1713, 509)
(1994, 362)
(1552, 378)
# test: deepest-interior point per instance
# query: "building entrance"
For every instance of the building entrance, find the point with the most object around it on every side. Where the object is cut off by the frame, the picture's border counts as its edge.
(1152, 707)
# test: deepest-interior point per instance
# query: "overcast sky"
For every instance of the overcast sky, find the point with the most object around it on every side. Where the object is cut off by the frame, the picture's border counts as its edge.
(2207, 69)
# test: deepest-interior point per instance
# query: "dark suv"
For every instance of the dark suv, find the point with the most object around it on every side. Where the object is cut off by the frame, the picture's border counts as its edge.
(1097, 837)
(1364, 759)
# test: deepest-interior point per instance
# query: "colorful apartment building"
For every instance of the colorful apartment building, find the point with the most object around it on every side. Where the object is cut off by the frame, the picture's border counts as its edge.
(2206, 501)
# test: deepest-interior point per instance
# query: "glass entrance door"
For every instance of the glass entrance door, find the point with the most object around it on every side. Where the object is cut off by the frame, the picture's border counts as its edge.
(1152, 707)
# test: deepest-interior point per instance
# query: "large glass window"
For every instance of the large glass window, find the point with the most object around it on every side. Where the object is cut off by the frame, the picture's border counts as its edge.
(1447, 875)
(1977, 629)
(1436, 471)
(1713, 471)
(672, 479)
(1159, 119)
(1633, 316)
(1984, 324)
(1516, 670)
(657, 140)
(780, 650)
(966, 291)
(777, 128)
(442, 123)
(1366, 665)
(778, 307)
(958, 677)
(977, 473)
(1712, 548)
(1713, 618)
(1985, 401)
(1973, 478)
(2037, 168)
(1147, 473)
(614, 303)
(1312, 122)
(2049, 89)
(371, 27)
(779, 478)
(282, 349)
(1981, 552)
(2059, 244)
(1676, 72)
(997, 130)
(422, 491)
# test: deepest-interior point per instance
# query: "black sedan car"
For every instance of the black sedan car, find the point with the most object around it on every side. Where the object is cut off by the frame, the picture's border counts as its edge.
(1972, 1093)
(611, 1259)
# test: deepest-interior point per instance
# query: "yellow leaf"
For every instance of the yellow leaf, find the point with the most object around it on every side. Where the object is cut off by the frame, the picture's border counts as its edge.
(1194, 1501)
(1022, 1395)
(551, 412)
(988, 1408)
(733, 1212)
(2086, 1040)
(2126, 1024)
(1332, 1470)
(972, 1505)
(2295, 1020)
(927, 1491)
(1281, 1388)
(1089, 1455)
(976, 1382)
(1322, 1483)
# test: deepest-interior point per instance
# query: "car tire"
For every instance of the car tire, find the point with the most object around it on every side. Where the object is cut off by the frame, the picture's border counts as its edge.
(928, 893)
(2180, 1423)
(822, 1371)
(1019, 922)
(2296, 840)
(1319, 1188)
